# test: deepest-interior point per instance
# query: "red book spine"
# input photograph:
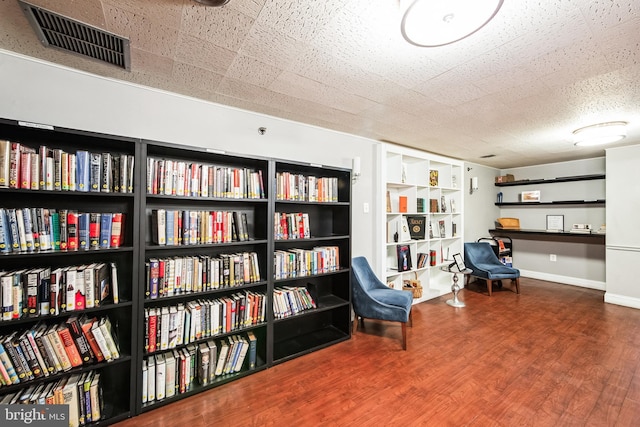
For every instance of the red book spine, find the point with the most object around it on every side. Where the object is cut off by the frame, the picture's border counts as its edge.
(153, 322)
(70, 347)
(116, 230)
(72, 231)
(95, 348)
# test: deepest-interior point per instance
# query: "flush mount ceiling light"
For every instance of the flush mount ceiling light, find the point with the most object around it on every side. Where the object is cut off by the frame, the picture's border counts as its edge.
(432, 23)
(214, 3)
(601, 133)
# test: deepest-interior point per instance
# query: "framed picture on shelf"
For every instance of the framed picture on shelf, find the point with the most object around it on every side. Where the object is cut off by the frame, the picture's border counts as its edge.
(530, 196)
(555, 223)
(442, 228)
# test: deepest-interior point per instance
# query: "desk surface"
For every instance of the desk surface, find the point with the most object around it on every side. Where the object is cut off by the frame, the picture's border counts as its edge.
(550, 235)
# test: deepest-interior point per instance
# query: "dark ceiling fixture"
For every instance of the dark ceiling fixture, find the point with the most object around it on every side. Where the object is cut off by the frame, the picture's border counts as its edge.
(215, 3)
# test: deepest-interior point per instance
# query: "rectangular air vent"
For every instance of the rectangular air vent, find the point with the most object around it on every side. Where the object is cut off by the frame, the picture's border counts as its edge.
(73, 36)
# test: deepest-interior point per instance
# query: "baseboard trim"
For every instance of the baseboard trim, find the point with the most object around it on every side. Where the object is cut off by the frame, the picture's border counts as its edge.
(621, 300)
(567, 280)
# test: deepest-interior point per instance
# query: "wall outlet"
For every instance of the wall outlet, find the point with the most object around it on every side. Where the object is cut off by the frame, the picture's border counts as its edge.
(552, 257)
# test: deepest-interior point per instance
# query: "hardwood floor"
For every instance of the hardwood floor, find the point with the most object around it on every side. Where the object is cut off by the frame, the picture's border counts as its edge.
(555, 355)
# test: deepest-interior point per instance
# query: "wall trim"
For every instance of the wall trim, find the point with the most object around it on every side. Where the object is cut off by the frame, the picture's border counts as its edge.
(622, 300)
(567, 280)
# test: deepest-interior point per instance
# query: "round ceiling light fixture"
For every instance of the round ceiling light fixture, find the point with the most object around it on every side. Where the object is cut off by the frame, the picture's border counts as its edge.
(433, 23)
(601, 133)
(214, 3)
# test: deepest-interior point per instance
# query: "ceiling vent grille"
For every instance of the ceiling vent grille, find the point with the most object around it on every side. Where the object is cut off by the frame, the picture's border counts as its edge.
(73, 36)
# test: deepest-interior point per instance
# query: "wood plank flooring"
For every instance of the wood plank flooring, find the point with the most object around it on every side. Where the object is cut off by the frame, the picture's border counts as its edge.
(555, 355)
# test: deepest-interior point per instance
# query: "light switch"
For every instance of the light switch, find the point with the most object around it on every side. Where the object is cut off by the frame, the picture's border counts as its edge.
(365, 207)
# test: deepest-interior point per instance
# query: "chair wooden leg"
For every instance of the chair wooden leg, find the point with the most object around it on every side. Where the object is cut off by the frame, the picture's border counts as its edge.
(404, 335)
(355, 324)
(411, 318)
(517, 282)
(489, 285)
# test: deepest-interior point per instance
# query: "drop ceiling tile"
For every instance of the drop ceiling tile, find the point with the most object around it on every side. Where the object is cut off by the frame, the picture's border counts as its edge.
(90, 12)
(195, 77)
(603, 14)
(239, 89)
(203, 53)
(149, 63)
(222, 26)
(251, 8)
(272, 47)
(165, 13)
(143, 33)
(300, 19)
(252, 71)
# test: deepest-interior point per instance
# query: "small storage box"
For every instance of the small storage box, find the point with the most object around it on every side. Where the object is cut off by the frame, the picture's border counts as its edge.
(505, 178)
(508, 223)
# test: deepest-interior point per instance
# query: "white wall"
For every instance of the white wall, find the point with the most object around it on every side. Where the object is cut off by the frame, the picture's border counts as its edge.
(578, 264)
(623, 233)
(480, 212)
(40, 92)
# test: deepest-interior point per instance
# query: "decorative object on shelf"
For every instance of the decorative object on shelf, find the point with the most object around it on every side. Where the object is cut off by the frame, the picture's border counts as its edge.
(417, 226)
(402, 204)
(433, 178)
(452, 202)
(454, 181)
(404, 257)
(414, 286)
(508, 223)
(441, 227)
(581, 228)
(443, 204)
(499, 198)
(389, 202)
(431, 23)
(505, 178)
(601, 133)
(555, 223)
(530, 196)
(405, 232)
(404, 173)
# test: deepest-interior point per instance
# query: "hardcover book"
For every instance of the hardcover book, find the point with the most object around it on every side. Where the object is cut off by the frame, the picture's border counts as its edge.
(404, 257)
(417, 226)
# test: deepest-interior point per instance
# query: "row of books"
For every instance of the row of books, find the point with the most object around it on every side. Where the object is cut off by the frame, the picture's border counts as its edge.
(185, 227)
(291, 300)
(54, 169)
(45, 291)
(290, 186)
(176, 325)
(178, 178)
(48, 349)
(168, 374)
(291, 225)
(306, 262)
(168, 277)
(44, 229)
(82, 393)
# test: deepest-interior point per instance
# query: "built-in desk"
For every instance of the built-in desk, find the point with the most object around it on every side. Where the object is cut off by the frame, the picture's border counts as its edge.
(596, 239)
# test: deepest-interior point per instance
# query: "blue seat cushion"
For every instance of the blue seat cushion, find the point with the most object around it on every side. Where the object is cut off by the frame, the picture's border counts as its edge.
(491, 271)
(392, 297)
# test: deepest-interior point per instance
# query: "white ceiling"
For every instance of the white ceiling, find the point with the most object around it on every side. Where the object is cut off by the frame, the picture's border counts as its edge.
(516, 89)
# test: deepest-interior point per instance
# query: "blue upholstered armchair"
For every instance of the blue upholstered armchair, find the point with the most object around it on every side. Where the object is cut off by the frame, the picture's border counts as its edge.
(481, 258)
(372, 299)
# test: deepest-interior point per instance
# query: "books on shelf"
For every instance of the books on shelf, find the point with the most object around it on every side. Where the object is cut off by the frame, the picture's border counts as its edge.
(189, 227)
(291, 300)
(433, 206)
(44, 291)
(306, 262)
(177, 325)
(179, 371)
(402, 204)
(193, 179)
(300, 187)
(442, 228)
(172, 276)
(288, 226)
(44, 350)
(45, 229)
(53, 169)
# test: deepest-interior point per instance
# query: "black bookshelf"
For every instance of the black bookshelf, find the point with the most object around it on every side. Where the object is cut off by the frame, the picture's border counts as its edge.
(118, 399)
